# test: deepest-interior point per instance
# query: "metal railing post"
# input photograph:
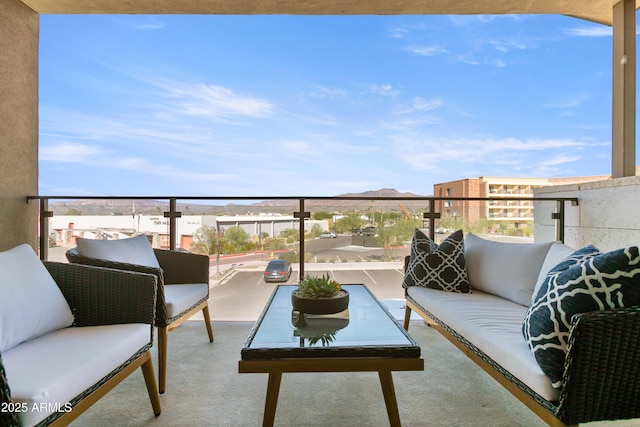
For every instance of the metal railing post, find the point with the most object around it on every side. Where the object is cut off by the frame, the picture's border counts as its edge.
(559, 217)
(45, 214)
(173, 215)
(302, 215)
(432, 215)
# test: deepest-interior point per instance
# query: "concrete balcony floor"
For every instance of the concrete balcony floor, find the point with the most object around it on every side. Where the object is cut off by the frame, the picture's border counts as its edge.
(204, 388)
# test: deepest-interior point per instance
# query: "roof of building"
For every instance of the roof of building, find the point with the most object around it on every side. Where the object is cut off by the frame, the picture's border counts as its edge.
(592, 10)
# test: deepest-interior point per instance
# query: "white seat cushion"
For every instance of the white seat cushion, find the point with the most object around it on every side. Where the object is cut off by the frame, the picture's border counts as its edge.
(179, 298)
(494, 325)
(56, 367)
(136, 250)
(31, 303)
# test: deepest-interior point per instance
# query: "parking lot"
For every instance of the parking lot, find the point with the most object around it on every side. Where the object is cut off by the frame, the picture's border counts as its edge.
(243, 296)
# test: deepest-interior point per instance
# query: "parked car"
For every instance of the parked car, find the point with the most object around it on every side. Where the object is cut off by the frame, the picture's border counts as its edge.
(278, 270)
(444, 230)
(328, 235)
(368, 231)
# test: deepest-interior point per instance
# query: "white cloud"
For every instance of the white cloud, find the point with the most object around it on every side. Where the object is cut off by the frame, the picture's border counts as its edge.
(70, 152)
(591, 31)
(559, 159)
(384, 90)
(419, 104)
(508, 45)
(441, 154)
(567, 103)
(215, 101)
(323, 92)
(426, 50)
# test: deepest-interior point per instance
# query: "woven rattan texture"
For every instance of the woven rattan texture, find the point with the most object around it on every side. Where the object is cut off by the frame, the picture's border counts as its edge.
(7, 418)
(602, 373)
(100, 296)
(175, 268)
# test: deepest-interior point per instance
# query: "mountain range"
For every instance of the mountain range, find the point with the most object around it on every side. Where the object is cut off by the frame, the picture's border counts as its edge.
(198, 207)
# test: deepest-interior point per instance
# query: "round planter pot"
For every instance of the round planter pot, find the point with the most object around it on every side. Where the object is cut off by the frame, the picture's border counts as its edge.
(320, 305)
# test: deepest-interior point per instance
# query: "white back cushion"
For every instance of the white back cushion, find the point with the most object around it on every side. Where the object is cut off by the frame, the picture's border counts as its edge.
(557, 253)
(136, 250)
(31, 304)
(509, 270)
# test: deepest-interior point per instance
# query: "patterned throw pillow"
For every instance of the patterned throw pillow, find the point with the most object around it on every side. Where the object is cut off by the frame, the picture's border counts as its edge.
(584, 282)
(437, 266)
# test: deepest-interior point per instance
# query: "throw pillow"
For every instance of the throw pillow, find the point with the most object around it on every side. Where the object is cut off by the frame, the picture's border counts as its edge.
(135, 250)
(421, 240)
(31, 303)
(508, 270)
(439, 266)
(557, 253)
(586, 281)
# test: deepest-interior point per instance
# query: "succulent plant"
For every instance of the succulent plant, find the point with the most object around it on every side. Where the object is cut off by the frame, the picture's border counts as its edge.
(318, 287)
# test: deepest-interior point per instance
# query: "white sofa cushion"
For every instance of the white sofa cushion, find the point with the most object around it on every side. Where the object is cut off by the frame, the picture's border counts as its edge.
(493, 325)
(557, 253)
(509, 270)
(179, 298)
(135, 250)
(54, 368)
(31, 303)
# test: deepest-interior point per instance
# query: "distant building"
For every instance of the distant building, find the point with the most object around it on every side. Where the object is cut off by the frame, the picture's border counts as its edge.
(66, 228)
(507, 214)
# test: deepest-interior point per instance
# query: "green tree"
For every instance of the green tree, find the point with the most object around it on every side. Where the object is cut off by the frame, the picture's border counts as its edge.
(350, 220)
(204, 241)
(316, 230)
(236, 238)
(322, 215)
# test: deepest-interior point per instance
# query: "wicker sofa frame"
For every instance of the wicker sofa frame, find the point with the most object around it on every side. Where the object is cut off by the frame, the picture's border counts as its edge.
(99, 296)
(601, 373)
(175, 268)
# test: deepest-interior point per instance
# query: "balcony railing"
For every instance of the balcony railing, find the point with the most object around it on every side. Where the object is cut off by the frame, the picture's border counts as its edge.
(422, 209)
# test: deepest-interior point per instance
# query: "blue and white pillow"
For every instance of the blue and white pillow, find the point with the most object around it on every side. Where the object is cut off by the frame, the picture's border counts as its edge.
(584, 282)
(437, 266)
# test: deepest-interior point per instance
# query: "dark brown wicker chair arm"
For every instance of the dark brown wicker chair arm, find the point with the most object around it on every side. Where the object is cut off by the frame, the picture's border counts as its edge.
(101, 296)
(8, 417)
(602, 373)
(183, 267)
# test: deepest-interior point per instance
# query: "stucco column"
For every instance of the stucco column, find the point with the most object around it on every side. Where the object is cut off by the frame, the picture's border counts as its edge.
(19, 27)
(623, 150)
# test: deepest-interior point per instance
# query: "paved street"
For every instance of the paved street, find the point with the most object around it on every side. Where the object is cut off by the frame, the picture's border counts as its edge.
(242, 296)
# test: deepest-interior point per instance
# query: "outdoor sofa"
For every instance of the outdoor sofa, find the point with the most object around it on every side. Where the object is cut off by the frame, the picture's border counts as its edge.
(69, 334)
(559, 328)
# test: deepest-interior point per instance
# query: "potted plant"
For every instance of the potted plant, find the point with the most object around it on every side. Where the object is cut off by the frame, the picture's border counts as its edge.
(319, 295)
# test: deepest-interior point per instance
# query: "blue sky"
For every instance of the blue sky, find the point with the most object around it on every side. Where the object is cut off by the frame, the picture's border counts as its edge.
(317, 106)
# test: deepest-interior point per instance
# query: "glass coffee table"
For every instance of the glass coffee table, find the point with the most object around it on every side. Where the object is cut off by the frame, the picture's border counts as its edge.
(365, 337)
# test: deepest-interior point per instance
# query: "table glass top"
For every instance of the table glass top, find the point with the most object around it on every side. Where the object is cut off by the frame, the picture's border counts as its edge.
(365, 329)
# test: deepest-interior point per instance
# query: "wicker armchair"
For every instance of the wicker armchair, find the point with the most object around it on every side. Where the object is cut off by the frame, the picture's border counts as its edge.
(7, 418)
(178, 276)
(97, 297)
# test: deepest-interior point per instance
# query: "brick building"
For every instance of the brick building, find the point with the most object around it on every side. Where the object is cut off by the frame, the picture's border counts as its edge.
(505, 214)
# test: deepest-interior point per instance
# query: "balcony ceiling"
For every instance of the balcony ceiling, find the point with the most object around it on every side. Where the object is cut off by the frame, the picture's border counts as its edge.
(591, 10)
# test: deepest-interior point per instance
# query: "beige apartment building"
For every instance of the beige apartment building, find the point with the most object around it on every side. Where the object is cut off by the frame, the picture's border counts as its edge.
(504, 214)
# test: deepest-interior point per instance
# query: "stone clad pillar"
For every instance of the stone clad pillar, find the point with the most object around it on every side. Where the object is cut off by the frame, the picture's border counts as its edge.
(623, 126)
(19, 28)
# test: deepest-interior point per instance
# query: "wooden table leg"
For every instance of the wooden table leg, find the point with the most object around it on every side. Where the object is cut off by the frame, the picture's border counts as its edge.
(389, 393)
(273, 388)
